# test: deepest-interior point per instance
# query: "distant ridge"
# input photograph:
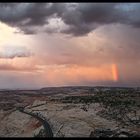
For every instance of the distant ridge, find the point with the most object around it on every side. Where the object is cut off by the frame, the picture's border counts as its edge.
(68, 87)
(121, 87)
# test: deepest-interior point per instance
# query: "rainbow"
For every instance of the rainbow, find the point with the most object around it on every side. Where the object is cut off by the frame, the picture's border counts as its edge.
(114, 72)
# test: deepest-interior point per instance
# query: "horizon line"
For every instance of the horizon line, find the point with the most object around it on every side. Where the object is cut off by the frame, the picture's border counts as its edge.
(69, 86)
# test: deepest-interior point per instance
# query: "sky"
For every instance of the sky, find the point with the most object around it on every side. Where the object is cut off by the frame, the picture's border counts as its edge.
(69, 44)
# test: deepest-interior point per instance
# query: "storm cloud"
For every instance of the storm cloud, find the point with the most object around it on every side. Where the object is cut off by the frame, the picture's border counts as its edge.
(10, 52)
(80, 18)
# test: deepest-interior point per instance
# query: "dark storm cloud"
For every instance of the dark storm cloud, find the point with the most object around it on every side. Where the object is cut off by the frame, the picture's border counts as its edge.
(17, 13)
(81, 18)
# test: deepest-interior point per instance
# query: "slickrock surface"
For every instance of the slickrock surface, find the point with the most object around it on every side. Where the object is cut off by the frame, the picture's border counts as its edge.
(79, 113)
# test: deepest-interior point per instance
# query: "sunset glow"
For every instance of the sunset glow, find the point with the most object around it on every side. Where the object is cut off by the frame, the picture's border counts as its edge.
(77, 74)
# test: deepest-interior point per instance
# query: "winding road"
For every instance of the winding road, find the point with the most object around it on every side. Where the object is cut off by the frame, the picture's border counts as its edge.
(48, 130)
